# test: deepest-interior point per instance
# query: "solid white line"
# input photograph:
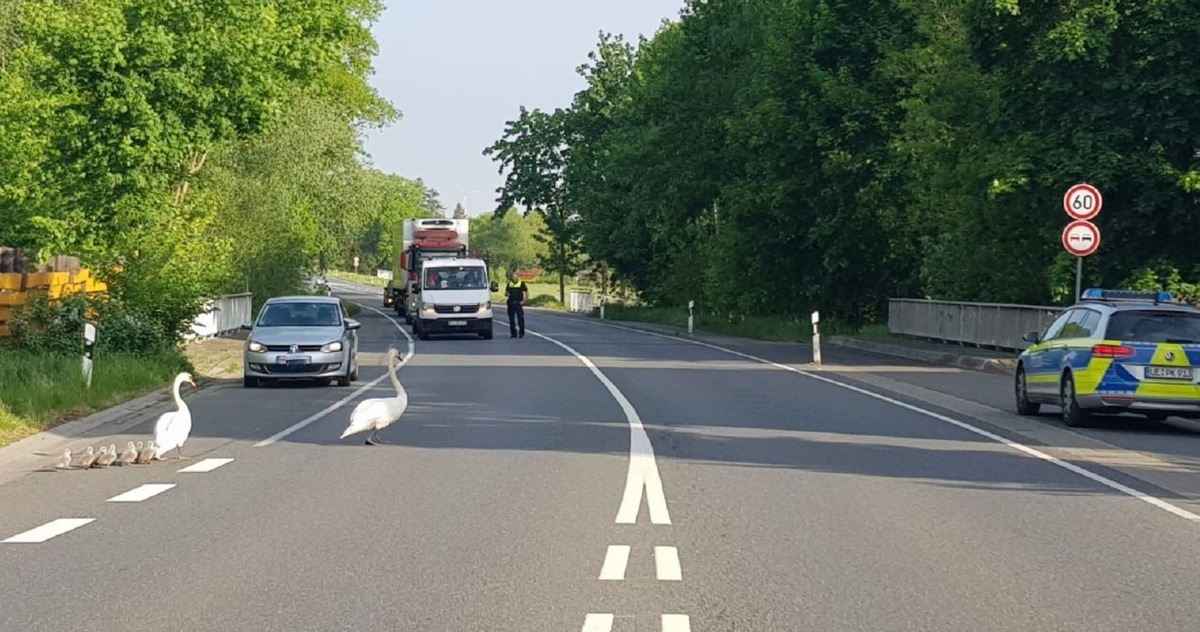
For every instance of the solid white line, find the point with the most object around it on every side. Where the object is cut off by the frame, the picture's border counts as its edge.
(643, 469)
(597, 622)
(1038, 454)
(138, 494)
(666, 564)
(303, 423)
(676, 623)
(49, 530)
(615, 562)
(207, 465)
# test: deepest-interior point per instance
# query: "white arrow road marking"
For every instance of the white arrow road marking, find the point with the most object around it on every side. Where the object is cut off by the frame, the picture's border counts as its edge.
(643, 469)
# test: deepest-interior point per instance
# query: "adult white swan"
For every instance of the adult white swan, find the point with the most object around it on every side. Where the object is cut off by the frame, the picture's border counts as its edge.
(172, 429)
(378, 413)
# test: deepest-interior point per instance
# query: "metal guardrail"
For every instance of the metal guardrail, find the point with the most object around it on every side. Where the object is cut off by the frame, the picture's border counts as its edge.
(222, 315)
(998, 325)
(581, 301)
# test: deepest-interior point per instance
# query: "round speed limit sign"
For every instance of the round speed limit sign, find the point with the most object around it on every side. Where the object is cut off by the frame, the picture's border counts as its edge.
(1083, 202)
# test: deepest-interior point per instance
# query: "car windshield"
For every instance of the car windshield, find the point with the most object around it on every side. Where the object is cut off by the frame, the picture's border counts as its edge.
(456, 278)
(300, 314)
(1154, 326)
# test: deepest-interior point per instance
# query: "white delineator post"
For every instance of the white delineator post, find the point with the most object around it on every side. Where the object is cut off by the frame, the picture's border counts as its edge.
(603, 299)
(89, 344)
(691, 316)
(816, 338)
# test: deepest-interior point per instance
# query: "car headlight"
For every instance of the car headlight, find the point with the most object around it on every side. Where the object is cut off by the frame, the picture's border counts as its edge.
(332, 347)
(428, 308)
(483, 307)
(256, 347)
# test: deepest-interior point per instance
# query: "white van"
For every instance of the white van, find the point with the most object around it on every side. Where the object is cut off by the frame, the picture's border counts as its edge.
(455, 298)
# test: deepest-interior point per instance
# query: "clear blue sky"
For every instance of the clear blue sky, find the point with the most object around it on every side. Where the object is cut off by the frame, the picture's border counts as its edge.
(458, 69)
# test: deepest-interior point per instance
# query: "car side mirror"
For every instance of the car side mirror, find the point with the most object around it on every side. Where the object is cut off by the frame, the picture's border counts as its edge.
(1032, 337)
(416, 289)
(352, 324)
(247, 326)
(495, 287)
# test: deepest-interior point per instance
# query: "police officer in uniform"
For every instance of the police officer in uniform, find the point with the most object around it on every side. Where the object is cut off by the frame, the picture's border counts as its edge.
(517, 292)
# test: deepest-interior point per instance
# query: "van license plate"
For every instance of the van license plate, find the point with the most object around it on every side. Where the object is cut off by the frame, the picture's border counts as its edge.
(1169, 372)
(457, 323)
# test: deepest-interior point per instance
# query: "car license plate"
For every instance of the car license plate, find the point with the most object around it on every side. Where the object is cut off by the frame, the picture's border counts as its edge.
(457, 323)
(1169, 372)
(291, 360)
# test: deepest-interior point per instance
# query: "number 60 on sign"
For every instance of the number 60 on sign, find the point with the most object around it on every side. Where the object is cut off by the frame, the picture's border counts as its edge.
(1083, 202)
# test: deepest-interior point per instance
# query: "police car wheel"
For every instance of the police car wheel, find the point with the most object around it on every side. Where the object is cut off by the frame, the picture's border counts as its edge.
(1073, 415)
(1024, 406)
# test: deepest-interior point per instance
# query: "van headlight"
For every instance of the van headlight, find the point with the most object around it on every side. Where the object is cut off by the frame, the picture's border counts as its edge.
(483, 307)
(256, 347)
(332, 347)
(428, 308)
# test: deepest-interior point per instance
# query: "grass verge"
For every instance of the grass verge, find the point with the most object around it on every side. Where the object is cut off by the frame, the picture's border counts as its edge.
(770, 328)
(39, 391)
(365, 279)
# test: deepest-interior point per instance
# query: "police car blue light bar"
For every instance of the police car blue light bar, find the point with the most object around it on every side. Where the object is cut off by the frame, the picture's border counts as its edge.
(1098, 294)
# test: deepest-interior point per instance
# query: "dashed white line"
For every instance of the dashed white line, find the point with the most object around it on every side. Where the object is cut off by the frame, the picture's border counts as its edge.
(666, 564)
(597, 622)
(615, 563)
(643, 469)
(303, 423)
(49, 530)
(676, 623)
(140, 493)
(1020, 447)
(207, 465)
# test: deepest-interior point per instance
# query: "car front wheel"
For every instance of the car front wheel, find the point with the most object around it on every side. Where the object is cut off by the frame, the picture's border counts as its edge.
(1021, 386)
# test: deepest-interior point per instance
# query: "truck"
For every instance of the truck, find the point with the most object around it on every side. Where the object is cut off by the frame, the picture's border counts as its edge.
(453, 296)
(421, 240)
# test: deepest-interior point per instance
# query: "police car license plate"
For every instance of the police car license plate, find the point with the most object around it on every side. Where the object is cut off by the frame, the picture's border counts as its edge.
(457, 323)
(1169, 372)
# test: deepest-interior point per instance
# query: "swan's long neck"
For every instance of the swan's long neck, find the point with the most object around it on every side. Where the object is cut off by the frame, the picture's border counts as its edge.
(179, 405)
(392, 372)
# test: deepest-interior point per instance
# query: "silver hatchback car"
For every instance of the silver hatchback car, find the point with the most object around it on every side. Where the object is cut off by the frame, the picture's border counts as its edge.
(301, 338)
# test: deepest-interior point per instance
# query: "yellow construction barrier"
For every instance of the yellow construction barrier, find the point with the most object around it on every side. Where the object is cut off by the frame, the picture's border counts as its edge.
(17, 288)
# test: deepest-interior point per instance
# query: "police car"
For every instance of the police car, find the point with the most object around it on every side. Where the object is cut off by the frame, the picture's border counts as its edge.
(1116, 351)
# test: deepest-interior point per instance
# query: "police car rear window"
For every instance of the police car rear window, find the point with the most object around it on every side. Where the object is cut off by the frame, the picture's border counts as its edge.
(1154, 326)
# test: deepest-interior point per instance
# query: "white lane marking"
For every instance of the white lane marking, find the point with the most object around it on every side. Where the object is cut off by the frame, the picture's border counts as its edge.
(643, 469)
(676, 623)
(207, 465)
(49, 530)
(142, 492)
(597, 622)
(303, 423)
(666, 564)
(615, 562)
(1020, 447)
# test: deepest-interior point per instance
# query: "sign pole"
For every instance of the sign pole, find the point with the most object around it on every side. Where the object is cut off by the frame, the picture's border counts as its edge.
(1078, 278)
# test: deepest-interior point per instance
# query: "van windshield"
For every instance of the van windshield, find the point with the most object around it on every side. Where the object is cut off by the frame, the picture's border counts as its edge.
(456, 278)
(1154, 326)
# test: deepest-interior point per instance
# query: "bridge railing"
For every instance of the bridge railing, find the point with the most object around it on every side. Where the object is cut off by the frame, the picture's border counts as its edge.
(995, 325)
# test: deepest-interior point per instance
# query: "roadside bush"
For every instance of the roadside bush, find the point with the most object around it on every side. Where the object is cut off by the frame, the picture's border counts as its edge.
(56, 327)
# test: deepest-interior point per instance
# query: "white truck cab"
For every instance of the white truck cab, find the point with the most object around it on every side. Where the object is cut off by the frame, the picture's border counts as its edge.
(455, 297)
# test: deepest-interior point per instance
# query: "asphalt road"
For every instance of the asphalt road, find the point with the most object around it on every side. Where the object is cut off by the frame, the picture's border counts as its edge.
(592, 477)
